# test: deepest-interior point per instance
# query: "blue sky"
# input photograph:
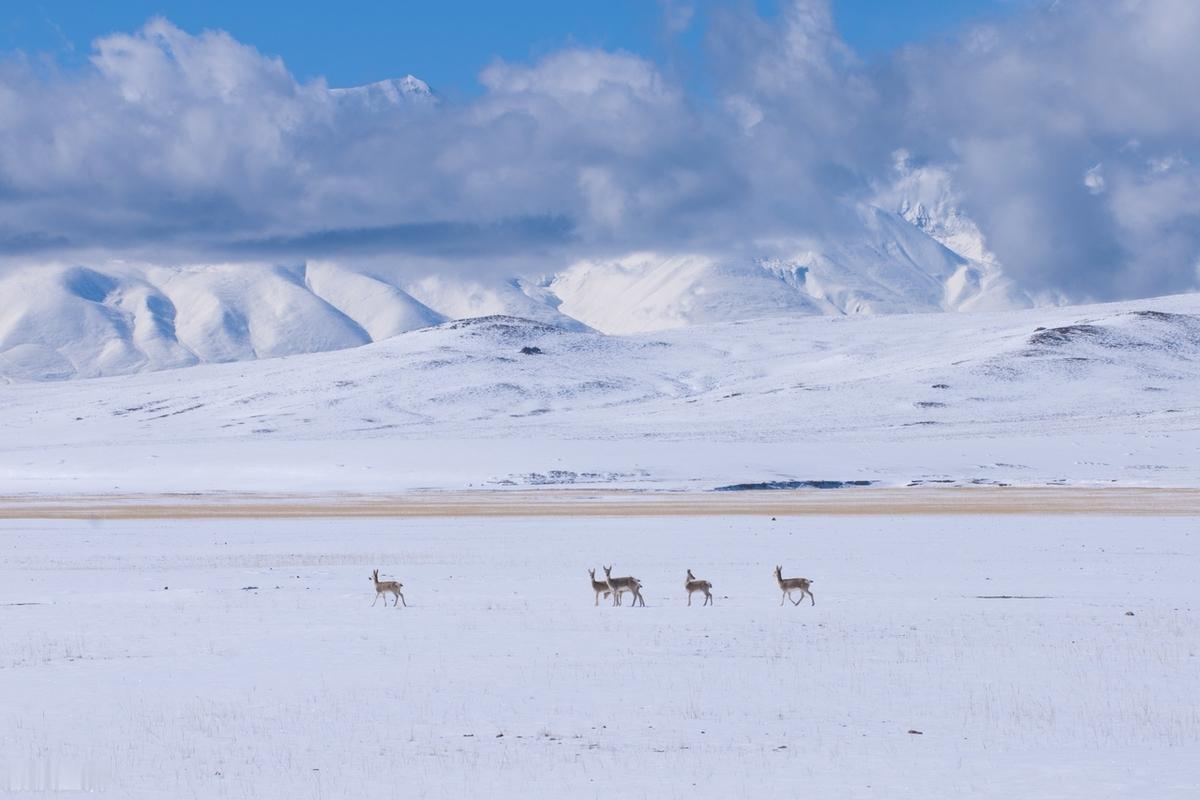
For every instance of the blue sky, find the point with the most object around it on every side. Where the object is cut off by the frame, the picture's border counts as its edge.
(447, 42)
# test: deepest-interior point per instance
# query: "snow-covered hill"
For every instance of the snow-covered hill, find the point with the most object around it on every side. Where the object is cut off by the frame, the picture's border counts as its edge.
(1096, 394)
(69, 320)
(62, 321)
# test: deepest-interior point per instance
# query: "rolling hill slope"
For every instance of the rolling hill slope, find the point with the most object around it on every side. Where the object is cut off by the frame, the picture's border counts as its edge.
(1093, 394)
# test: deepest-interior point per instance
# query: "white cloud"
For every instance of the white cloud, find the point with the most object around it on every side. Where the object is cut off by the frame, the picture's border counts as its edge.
(1026, 107)
(1069, 134)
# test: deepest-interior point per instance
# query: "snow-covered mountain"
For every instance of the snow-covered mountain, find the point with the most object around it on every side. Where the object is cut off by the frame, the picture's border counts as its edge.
(890, 267)
(385, 93)
(67, 320)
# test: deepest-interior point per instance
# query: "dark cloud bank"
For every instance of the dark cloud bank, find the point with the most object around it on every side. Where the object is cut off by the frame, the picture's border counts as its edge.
(1070, 133)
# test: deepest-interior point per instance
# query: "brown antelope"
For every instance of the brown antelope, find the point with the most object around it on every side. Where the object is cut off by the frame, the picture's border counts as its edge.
(599, 587)
(387, 587)
(692, 585)
(626, 584)
(789, 585)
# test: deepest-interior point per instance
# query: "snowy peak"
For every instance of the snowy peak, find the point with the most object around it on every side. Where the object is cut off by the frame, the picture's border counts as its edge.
(888, 267)
(924, 196)
(646, 291)
(386, 93)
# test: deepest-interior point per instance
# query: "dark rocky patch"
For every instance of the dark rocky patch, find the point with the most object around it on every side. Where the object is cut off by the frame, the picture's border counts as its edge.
(1163, 316)
(502, 325)
(1159, 331)
(180, 411)
(533, 413)
(1054, 337)
(558, 477)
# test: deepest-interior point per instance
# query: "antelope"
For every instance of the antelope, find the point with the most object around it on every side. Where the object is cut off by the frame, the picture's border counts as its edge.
(386, 587)
(692, 585)
(599, 587)
(627, 584)
(788, 585)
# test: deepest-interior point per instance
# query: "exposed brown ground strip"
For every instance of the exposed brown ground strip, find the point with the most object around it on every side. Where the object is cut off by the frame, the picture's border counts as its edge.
(576, 502)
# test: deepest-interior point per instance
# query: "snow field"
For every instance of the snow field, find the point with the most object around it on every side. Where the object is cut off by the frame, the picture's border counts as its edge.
(1098, 395)
(208, 690)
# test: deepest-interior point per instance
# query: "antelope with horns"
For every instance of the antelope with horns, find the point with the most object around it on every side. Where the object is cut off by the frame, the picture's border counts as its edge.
(789, 585)
(626, 584)
(693, 585)
(599, 587)
(387, 587)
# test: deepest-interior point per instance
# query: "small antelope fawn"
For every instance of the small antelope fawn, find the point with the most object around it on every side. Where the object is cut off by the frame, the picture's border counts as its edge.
(599, 587)
(789, 585)
(626, 584)
(387, 587)
(693, 585)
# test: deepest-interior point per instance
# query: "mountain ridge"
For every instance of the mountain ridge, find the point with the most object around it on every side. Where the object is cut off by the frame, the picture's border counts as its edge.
(66, 320)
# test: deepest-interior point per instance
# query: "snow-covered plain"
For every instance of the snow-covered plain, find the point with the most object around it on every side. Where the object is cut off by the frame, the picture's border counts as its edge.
(1106, 394)
(502, 678)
